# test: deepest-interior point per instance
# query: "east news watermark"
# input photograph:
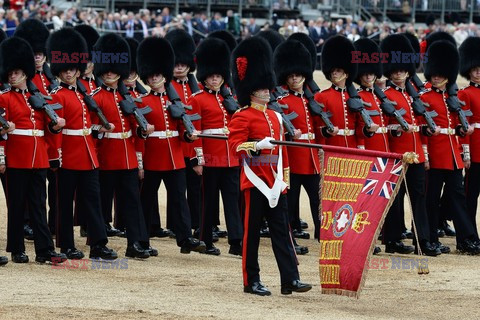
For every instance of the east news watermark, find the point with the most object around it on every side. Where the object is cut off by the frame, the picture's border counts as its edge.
(85, 57)
(397, 263)
(388, 57)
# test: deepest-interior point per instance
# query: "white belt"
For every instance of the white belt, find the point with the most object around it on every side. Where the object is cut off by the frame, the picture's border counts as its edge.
(346, 132)
(447, 131)
(307, 136)
(163, 134)
(118, 135)
(28, 132)
(382, 130)
(77, 132)
(476, 125)
(216, 131)
(397, 127)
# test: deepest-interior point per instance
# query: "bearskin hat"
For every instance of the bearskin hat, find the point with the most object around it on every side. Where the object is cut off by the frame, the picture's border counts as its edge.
(393, 44)
(469, 57)
(66, 41)
(337, 53)
(225, 36)
(213, 57)
(436, 36)
(368, 46)
(273, 38)
(443, 60)
(309, 44)
(291, 57)
(415, 44)
(183, 47)
(16, 53)
(252, 68)
(155, 56)
(89, 34)
(35, 33)
(115, 47)
(133, 45)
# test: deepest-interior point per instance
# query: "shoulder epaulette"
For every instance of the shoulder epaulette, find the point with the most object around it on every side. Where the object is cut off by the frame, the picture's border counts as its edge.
(94, 92)
(463, 88)
(425, 91)
(198, 92)
(242, 108)
(386, 88)
(6, 90)
(322, 90)
(55, 90)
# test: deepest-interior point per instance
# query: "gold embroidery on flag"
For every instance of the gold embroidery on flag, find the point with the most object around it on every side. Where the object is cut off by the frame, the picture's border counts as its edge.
(360, 221)
(327, 220)
(329, 274)
(347, 168)
(331, 249)
(341, 191)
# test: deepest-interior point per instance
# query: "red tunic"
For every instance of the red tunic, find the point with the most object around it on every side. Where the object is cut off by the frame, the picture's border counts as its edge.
(250, 124)
(335, 101)
(89, 84)
(78, 151)
(471, 96)
(208, 104)
(379, 141)
(302, 160)
(22, 151)
(161, 154)
(443, 149)
(115, 154)
(406, 142)
(41, 82)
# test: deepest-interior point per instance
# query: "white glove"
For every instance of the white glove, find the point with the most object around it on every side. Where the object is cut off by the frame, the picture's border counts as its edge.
(265, 144)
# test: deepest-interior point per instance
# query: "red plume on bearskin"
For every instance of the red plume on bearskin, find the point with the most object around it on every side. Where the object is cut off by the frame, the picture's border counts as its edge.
(242, 64)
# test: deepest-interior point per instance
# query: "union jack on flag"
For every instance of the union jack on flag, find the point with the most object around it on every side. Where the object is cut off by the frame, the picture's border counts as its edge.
(383, 170)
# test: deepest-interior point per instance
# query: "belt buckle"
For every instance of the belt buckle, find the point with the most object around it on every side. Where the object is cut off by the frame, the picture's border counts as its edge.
(384, 129)
(124, 135)
(85, 132)
(169, 133)
(225, 130)
(415, 129)
(35, 132)
(450, 131)
(310, 136)
(346, 131)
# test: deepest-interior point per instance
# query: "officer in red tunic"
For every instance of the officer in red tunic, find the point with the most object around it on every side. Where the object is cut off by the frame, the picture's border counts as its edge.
(470, 69)
(401, 142)
(446, 165)
(337, 67)
(26, 154)
(162, 150)
(265, 167)
(221, 171)
(185, 85)
(116, 151)
(292, 64)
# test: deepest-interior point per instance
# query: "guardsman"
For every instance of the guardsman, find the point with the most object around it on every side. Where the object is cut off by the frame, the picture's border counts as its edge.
(3, 259)
(221, 171)
(162, 150)
(470, 69)
(401, 142)
(26, 157)
(264, 186)
(445, 165)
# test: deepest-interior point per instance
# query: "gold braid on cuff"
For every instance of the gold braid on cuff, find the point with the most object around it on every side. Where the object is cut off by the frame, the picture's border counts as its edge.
(248, 147)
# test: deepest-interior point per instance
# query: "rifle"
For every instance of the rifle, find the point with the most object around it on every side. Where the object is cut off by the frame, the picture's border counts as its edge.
(317, 109)
(275, 106)
(312, 85)
(389, 109)
(177, 109)
(38, 101)
(192, 83)
(419, 107)
(230, 85)
(417, 82)
(3, 122)
(454, 105)
(129, 106)
(139, 88)
(92, 105)
(356, 104)
(53, 80)
(228, 101)
(98, 82)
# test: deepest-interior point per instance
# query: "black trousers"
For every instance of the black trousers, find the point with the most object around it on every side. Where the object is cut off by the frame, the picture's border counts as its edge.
(27, 186)
(194, 194)
(226, 181)
(453, 181)
(472, 190)
(125, 186)
(87, 185)
(394, 221)
(257, 207)
(311, 184)
(176, 186)
(52, 198)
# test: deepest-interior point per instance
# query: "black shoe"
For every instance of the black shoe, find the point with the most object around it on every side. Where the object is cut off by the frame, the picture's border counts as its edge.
(3, 260)
(300, 234)
(303, 224)
(111, 231)
(300, 250)
(27, 232)
(136, 251)
(19, 257)
(102, 252)
(408, 234)
(73, 253)
(83, 232)
(171, 234)
(123, 233)
(449, 231)
(295, 286)
(196, 233)
(468, 246)
(192, 244)
(264, 232)
(214, 251)
(257, 288)
(398, 246)
(440, 233)
(235, 249)
(159, 233)
(51, 256)
(441, 247)
(151, 251)
(220, 233)
(377, 250)
(428, 249)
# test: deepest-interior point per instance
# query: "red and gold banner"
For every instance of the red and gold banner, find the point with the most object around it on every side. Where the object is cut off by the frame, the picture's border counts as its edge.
(357, 189)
